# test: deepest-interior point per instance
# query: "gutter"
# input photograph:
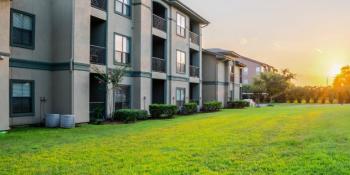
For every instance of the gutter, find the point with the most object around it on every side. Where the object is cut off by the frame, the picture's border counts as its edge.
(72, 58)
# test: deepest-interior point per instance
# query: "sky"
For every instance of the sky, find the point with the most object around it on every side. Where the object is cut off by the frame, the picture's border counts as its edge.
(309, 37)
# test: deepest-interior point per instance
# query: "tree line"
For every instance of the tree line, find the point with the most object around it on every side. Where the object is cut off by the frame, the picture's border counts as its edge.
(279, 87)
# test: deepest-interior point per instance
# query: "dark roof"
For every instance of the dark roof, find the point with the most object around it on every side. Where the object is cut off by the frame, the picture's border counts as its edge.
(189, 11)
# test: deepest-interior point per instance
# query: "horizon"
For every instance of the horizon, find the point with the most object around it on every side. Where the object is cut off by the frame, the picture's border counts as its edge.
(313, 43)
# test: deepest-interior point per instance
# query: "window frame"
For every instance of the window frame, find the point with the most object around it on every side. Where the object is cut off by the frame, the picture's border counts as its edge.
(33, 18)
(123, 9)
(179, 26)
(128, 97)
(184, 95)
(114, 50)
(185, 64)
(32, 93)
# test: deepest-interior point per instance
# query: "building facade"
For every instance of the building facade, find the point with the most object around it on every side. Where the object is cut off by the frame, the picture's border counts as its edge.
(253, 68)
(50, 51)
(222, 79)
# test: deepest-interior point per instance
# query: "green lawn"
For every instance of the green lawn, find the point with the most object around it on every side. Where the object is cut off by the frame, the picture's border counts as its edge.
(288, 139)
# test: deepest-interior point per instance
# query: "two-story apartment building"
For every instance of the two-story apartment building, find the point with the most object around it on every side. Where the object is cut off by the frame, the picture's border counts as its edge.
(222, 76)
(50, 50)
(253, 69)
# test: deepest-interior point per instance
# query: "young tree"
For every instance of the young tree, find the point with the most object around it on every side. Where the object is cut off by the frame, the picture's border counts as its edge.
(342, 84)
(112, 78)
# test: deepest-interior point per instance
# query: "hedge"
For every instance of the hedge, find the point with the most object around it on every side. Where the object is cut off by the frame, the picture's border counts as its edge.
(189, 108)
(130, 115)
(162, 110)
(212, 106)
(238, 104)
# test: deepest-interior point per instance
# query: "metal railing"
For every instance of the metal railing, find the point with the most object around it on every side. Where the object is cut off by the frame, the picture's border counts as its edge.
(194, 38)
(194, 71)
(159, 23)
(158, 64)
(100, 4)
(97, 55)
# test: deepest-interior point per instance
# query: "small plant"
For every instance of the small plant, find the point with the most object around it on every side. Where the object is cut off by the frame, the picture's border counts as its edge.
(238, 104)
(130, 115)
(98, 115)
(212, 106)
(162, 110)
(189, 108)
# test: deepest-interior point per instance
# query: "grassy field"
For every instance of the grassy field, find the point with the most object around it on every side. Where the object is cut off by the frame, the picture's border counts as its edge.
(288, 139)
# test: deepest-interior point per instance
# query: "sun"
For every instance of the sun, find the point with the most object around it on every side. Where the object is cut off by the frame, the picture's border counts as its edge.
(334, 70)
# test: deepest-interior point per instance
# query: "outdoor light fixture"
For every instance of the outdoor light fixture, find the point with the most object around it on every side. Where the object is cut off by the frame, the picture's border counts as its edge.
(2, 57)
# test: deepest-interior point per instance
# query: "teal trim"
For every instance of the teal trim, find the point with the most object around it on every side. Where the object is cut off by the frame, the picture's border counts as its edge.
(37, 65)
(32, 93)
(176, 78)
(215, 83)
(138, 74)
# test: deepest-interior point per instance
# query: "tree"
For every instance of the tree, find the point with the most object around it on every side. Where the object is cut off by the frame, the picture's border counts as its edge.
(112, 78)
(273, 83)
(342, 84)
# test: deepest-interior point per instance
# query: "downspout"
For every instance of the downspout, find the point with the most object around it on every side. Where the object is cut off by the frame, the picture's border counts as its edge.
(170, 52)
(71, 67)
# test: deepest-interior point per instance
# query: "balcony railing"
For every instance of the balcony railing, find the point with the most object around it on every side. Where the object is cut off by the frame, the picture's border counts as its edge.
(194, 71)
(100, 4)
(159, 23)
(97, 55)
(194, 38)
(232, 77)
(158, 64)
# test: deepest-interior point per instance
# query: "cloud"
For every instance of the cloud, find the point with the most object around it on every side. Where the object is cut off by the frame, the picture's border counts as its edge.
(244, 41)
(318, 50)
(277, 45)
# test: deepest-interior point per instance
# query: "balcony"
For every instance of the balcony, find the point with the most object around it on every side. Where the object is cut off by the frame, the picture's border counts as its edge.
(97, 55)
(100, 4)
(194, 38)
(194, 71)
(158, 65)
(159, 23)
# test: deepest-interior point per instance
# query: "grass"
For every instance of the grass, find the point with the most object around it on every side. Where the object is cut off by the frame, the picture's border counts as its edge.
(287, 139)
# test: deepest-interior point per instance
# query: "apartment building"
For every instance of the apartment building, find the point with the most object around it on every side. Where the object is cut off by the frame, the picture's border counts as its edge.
(253, 69)
(50, 50)
(222, 76)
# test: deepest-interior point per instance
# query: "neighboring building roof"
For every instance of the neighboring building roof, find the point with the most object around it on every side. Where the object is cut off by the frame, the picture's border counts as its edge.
(189, 11)
(223, 51)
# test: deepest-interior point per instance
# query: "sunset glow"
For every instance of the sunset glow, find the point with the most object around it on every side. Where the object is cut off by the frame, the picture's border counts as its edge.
(311, 38)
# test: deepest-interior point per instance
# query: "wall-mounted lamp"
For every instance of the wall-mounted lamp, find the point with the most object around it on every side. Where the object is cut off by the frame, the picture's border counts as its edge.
(2, 57)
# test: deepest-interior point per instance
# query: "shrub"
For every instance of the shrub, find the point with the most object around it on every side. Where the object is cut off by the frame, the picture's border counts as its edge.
(130, 115)
(212, 106)
(162, 110)
(189, 108)
(238, 104)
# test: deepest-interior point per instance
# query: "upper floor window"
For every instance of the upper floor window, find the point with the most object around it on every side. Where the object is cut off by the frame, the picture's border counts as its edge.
(245, 71)
(180, 62)
(22, 29)
(258, 70)
(22, 98)
(181, 25)
(121, 49)
(123, 7)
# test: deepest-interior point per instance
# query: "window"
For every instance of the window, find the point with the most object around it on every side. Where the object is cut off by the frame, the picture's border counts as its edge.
(122, 97)
(258, 70)
(245, 81)
(180, 96)
(121, 49)
(245, 71)
(22, 29)
(22, 98)
(180, 62)
(181, 25)
(123, 7)
(232, 69)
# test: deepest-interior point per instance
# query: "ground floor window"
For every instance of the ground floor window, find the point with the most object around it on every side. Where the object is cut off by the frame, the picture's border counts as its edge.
(122, 97)
(22, 98)
(180, 96)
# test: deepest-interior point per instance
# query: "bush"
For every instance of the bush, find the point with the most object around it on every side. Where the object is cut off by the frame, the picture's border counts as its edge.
(238, 104)
(162, 110)
(212, 106)
(130, 115)
(189, 108)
